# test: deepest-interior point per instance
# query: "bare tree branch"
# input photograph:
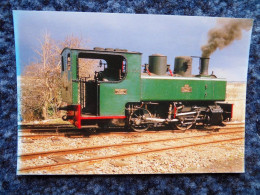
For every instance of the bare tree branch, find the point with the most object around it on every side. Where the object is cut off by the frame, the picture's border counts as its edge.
(41, 80)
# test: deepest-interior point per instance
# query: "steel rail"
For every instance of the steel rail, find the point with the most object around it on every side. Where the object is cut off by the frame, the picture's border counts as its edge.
(84, 133)
(79, 150)
(124, 155)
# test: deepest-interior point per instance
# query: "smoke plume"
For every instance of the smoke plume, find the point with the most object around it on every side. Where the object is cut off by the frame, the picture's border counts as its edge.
(226, 31)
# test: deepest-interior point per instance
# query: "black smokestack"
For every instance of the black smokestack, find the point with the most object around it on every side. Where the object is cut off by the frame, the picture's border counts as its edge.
(204, 66)
(226, 31)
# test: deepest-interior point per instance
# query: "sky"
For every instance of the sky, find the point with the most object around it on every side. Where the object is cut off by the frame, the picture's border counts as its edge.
(149, 34)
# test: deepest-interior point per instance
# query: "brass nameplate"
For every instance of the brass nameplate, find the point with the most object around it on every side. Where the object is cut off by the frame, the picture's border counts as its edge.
(120, 91)
(186, 89)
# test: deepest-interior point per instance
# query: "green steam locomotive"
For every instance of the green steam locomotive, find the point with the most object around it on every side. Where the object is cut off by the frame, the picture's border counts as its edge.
(122, 92)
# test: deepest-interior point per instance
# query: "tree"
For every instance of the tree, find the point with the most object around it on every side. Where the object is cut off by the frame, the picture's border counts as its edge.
(41, 80)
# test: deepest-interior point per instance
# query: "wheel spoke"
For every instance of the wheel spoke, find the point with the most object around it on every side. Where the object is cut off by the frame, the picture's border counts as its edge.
(186, 123)
(139, 114)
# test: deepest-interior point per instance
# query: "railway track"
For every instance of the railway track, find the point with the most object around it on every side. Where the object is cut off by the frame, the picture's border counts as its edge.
(28, 128)
(72, 132)
(172, 146)
(38, 126)
(39, 136)
(48, 129)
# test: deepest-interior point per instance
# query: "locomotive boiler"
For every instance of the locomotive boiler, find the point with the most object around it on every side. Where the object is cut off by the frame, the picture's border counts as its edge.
(120, 93)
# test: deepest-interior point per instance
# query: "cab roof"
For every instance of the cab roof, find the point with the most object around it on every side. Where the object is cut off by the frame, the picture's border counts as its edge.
(102, 50)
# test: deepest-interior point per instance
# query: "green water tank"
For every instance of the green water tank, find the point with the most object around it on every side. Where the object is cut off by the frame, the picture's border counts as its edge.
(158, 64)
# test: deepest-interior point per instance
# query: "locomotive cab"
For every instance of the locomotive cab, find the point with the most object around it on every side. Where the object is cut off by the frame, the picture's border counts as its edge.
(93, 81)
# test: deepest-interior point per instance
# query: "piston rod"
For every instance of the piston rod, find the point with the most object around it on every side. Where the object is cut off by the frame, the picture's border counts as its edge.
(161, 120)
